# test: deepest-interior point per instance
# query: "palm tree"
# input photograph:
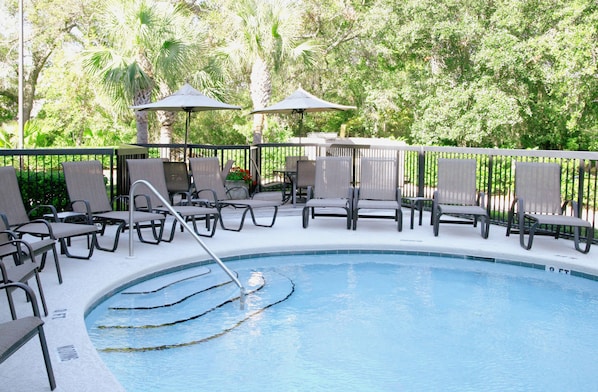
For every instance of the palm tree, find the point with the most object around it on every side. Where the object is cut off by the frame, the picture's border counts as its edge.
(146, 49)
(264, 39)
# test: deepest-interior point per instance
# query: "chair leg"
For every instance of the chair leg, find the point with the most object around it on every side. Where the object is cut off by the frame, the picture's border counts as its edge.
(532, 231)
(305, 215)
(589, 239)
(46, 354)
(42, 297)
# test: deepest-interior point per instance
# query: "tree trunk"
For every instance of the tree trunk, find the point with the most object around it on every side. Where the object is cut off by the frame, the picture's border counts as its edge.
(261, 90)
(142, 97)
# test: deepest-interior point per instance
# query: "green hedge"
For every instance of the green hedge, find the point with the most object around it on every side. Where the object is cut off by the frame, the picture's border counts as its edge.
(43, 188)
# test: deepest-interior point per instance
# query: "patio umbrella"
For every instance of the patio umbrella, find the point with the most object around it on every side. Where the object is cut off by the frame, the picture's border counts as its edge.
(301, 102)
(186, 99)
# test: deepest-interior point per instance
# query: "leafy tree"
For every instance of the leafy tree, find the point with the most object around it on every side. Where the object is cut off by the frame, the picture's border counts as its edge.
(145, 48)
(264, 37)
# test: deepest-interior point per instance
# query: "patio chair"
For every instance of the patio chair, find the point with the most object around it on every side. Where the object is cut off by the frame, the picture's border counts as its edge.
(11, 204)
(87, 193)
(456, 195)
(20, 269)
(290, 175)
(15, 333)
(304, 179)
(152, 171)
(40, 247)
(538, 203)
(208, 184)
(332, 190)
(378, 190)
(178, 182)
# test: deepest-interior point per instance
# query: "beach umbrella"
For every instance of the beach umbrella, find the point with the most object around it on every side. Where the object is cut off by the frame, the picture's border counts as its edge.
(302, 102)
(186, 99)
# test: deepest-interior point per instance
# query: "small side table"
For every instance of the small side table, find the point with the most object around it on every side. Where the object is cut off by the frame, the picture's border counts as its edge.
(417, 202)
(65, 216)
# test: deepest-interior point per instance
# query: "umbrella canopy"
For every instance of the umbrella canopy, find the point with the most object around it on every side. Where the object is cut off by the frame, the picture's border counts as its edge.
(186, 99)
(302, 102)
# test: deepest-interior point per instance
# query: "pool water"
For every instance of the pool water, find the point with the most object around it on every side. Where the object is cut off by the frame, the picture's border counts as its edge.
(353, 322)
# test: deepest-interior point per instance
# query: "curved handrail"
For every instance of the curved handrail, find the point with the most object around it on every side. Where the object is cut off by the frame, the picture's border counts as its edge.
(186, 226)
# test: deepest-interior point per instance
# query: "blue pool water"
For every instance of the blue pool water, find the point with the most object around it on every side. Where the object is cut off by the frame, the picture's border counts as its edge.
(353, 322)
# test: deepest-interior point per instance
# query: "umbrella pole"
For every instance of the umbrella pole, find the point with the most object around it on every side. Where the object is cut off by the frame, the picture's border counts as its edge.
(187, 123)
(301, 126)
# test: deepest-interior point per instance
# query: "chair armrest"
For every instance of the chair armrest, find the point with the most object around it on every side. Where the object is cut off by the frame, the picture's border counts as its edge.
(212, 197)
(245, 190)
(87, 209)
(148, 202)
(28, 292)
(310, 192)
(50, 207)
(43, 221)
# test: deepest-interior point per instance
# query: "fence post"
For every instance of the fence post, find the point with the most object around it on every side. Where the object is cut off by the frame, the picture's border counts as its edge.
(421, 172)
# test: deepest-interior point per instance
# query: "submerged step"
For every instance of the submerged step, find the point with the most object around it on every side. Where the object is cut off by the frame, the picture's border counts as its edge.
(199, 319)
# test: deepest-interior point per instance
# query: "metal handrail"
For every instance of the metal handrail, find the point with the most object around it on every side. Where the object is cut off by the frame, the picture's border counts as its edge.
(186, 226)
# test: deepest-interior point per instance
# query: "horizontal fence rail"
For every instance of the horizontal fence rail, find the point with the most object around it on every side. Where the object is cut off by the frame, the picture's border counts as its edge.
(416, 164)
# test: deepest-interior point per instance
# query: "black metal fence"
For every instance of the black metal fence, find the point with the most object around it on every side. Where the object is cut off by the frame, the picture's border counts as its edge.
(417, 167)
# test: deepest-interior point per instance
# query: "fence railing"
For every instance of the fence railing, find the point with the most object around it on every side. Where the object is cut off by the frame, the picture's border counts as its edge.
(417, 167)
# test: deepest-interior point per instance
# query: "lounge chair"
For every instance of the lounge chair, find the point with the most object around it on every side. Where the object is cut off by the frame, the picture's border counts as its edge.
(378, 190)
(21, 267)
(40, 247)
(178, 182)
(208, 184)
(290, 175)
(11, 204)
(87, 193)
(538, 202)
(456, 195)
(304, 179)
(16, 333)
(332, 190)
(152, 171)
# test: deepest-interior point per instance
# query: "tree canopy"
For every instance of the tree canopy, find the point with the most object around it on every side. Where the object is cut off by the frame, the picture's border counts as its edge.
(505, 73)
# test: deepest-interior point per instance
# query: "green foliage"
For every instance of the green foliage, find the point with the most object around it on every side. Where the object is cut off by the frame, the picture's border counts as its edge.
(509, 73)
(43, 188)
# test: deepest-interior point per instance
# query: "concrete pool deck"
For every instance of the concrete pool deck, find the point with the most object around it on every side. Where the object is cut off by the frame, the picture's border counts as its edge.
(78, 367)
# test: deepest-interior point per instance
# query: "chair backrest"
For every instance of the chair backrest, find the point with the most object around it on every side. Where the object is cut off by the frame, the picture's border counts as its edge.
(207, 175)
(457, 181)
(151, 170)
(306, 173)
(11, 202)
(4, 238)
(539, 186)
(226, 169)
(333, 178)
(85, 181)
(176, 176)
(291, 162)
(378, 179)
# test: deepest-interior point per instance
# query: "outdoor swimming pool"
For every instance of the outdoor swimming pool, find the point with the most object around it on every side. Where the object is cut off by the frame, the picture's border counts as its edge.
(353, 322)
